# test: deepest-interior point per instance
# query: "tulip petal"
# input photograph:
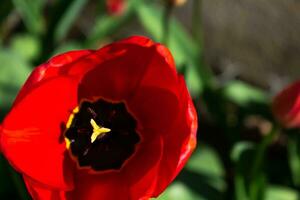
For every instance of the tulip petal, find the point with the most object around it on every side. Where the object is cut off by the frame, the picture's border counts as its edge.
(135, 181)
(286, 106)
(135, 45)
(32, 137)
(116, 78)
(157, 96)
(0, 136)
(141, 172)
(50, 69)
(39, 191)
(126, 65)
(93, 187)
(180, 143)
(154, 108)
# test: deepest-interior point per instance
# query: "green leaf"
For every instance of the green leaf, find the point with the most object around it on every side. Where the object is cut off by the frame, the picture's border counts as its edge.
(294, 157)
(179, 191)
(5, 9)
(240, 187)
(281, 193)
(243, 94)
(206, 162)
(11, 183)
(68, 46)
(239, 149)
(181, 45)
(31, 13)
(13, 73)
(68, 19)
(193, 82)
(27, 46)
(107, 24)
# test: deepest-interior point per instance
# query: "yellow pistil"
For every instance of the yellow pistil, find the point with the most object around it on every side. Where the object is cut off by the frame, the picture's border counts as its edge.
(97, 130)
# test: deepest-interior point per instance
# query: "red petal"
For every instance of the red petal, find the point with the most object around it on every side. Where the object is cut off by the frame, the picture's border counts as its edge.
(155, 102)
(39, 191)
(141, 172)
(32, 137)
(118, 76)
(0, 136)
(50, 69)
(136, 180)
(124, 65)
(109, 52)
(179, 143)
(286, 106)
(94, 187)
(154, 108)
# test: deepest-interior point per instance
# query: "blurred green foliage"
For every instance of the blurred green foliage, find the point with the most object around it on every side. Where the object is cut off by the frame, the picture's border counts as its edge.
(240, 153)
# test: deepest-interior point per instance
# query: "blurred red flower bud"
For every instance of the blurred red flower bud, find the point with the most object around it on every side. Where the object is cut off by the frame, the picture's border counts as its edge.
(286, 106)
(114, 123)
(177, 2)
(115, 7)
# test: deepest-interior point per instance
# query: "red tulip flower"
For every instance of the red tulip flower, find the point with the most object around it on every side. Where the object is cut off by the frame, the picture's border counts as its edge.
(286, 106)
(116, 123)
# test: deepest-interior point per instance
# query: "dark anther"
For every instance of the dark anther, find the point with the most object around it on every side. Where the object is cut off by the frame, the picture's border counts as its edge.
(109, 149)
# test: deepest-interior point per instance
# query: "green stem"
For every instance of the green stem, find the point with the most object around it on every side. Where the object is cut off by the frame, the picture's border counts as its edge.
(240, 189)
(261, 150)
(258, 162)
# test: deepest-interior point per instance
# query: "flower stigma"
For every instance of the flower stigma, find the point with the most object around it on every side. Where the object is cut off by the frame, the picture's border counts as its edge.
(97, 130)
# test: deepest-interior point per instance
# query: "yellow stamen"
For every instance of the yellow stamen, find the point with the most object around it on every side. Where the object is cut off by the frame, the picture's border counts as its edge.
(76, 110)
(97, 130)
(68, 143)
(69, 122)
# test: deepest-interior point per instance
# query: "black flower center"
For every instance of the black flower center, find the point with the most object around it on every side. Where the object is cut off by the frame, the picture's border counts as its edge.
(101, 135)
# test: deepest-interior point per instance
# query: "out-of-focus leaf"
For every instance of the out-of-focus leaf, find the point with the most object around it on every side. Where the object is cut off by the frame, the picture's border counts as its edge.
(27, 46)
(5, 8)
(240, 148)
(69, 46)
(108, 24)
(11, 184)
(179, 191)
(184, 49)
(68, 18)
(258, 186)
(281, 193)
(13, 73)
(31, 13)
(241, 155)
(206, 162)
(240, 187)
(243, 94)
(248, 185)
(6, 184)
(193, 82)
(180, 43)
(104, 26)
(294, 158)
